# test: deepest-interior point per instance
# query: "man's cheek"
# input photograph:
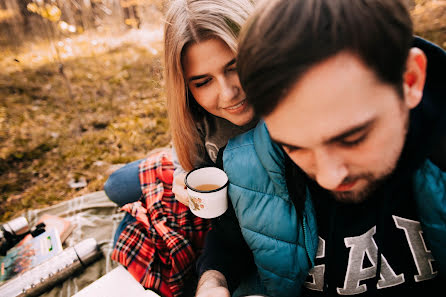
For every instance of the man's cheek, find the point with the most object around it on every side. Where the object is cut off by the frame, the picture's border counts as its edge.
(303, 163)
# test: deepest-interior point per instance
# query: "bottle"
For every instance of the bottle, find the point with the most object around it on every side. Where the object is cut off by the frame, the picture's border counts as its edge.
(46, 275)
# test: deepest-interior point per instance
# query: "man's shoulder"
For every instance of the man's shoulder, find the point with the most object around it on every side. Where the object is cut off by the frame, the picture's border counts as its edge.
(242, 140)
(247, 140)
(438, 153)
(240, 150)
(240, 157)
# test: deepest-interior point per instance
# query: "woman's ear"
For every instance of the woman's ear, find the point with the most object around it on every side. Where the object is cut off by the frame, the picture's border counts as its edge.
(414, 77)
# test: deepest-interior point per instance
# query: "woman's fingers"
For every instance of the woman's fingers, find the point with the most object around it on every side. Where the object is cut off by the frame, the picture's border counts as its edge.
(179, 189)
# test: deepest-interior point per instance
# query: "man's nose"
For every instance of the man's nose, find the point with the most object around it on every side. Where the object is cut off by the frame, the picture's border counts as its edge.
(330, 169)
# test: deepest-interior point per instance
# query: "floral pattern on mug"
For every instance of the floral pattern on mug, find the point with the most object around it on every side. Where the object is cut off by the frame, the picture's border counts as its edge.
(196, 203)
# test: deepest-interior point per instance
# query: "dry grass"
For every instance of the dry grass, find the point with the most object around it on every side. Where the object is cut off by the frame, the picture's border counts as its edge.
(430, 20)
(115, 114)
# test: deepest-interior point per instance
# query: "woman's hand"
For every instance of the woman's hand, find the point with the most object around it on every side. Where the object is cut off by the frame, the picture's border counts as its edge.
(214, 292)
(179, 189)
(212, 284)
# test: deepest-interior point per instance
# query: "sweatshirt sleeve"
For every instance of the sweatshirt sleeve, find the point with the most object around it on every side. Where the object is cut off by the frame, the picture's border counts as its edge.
(176, 163)
(226, 251)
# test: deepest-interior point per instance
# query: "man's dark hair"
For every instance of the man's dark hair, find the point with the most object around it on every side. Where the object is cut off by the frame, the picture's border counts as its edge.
(283, 39)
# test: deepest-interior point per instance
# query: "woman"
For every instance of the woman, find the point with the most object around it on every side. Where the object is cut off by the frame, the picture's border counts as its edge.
(206, 107)
(204, 113)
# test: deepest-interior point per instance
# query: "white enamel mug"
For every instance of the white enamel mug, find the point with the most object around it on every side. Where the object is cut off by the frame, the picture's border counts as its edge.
(207, 188)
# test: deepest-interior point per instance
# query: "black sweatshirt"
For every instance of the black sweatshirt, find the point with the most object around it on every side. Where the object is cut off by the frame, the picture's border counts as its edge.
(355, 240)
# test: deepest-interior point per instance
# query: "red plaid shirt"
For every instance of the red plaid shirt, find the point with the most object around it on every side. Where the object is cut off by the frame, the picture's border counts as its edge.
(161, 247)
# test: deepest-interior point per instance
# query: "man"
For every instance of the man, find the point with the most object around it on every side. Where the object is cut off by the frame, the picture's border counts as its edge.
(346, 174)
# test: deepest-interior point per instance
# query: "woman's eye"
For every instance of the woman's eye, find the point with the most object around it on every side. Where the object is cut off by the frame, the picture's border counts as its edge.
(202, 83)
(232, 69)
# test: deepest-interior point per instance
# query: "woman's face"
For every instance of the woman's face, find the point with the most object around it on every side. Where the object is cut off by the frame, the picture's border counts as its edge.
(211, 74)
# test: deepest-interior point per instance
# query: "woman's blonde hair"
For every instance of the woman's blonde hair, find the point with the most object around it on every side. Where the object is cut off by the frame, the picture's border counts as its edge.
(188, 22)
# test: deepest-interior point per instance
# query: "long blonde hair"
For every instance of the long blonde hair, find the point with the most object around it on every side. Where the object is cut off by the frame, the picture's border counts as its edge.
(187, 22)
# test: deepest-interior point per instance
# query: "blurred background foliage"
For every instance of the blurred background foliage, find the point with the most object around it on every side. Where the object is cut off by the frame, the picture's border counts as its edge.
(429, 17)
(81, 92)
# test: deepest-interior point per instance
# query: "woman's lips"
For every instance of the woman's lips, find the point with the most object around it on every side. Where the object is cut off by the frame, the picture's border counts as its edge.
(238, 108)
(345, 187)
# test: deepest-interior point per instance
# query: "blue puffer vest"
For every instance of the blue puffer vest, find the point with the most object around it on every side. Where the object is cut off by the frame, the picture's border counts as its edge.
(283, 248)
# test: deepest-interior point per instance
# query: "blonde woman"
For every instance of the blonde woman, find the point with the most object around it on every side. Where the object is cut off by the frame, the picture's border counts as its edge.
(206, 107)
(206, 104)
(204, 112)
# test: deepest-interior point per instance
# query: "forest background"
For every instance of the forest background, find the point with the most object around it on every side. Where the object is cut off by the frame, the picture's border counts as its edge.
(81, 92)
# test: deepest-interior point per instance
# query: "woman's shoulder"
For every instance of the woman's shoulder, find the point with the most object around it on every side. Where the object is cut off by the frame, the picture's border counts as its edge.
(218, 130)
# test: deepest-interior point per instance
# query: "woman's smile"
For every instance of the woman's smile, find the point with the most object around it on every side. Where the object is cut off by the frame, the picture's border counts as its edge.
(237, 108)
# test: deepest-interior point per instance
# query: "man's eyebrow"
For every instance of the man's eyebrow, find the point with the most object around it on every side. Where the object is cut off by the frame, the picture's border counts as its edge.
(351, 131)
(284, 144)
(197, 77)
(342, 135)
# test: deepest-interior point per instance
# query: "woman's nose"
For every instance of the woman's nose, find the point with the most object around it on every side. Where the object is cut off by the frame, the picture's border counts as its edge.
(228, 89)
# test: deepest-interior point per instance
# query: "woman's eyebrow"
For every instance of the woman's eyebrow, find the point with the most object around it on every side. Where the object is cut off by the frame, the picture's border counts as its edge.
(232, 62)
(197, 77)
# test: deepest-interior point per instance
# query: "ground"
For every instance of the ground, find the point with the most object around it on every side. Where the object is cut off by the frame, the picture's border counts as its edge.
(55, 132)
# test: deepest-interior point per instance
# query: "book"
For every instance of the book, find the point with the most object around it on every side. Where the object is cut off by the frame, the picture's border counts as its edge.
(64, 226)
(117, 283)
(37, 250)
(52, 271)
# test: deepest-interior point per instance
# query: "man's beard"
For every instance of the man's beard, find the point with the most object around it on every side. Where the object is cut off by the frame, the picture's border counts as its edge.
(374, 182)
(361, 195)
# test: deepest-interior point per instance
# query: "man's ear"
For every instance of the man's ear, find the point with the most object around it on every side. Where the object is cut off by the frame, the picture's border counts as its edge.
(414, 77)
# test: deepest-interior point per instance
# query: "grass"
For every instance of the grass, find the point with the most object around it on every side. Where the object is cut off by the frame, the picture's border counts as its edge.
(115, 114)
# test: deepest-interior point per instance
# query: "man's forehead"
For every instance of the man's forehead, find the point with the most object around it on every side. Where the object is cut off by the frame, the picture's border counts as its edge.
(330, 99)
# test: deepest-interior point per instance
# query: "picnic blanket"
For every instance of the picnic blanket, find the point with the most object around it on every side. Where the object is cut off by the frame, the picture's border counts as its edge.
(94, 216)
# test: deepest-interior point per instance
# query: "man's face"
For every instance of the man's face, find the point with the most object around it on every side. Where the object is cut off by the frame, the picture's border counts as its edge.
(342, 126)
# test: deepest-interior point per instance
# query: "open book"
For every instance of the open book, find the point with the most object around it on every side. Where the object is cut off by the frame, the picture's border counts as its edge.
(20, 259)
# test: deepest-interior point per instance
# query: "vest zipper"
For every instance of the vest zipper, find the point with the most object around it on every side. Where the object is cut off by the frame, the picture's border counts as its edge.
(306, 240)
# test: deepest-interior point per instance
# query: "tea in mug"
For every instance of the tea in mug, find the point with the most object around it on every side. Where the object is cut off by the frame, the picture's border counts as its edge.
(207, 187)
